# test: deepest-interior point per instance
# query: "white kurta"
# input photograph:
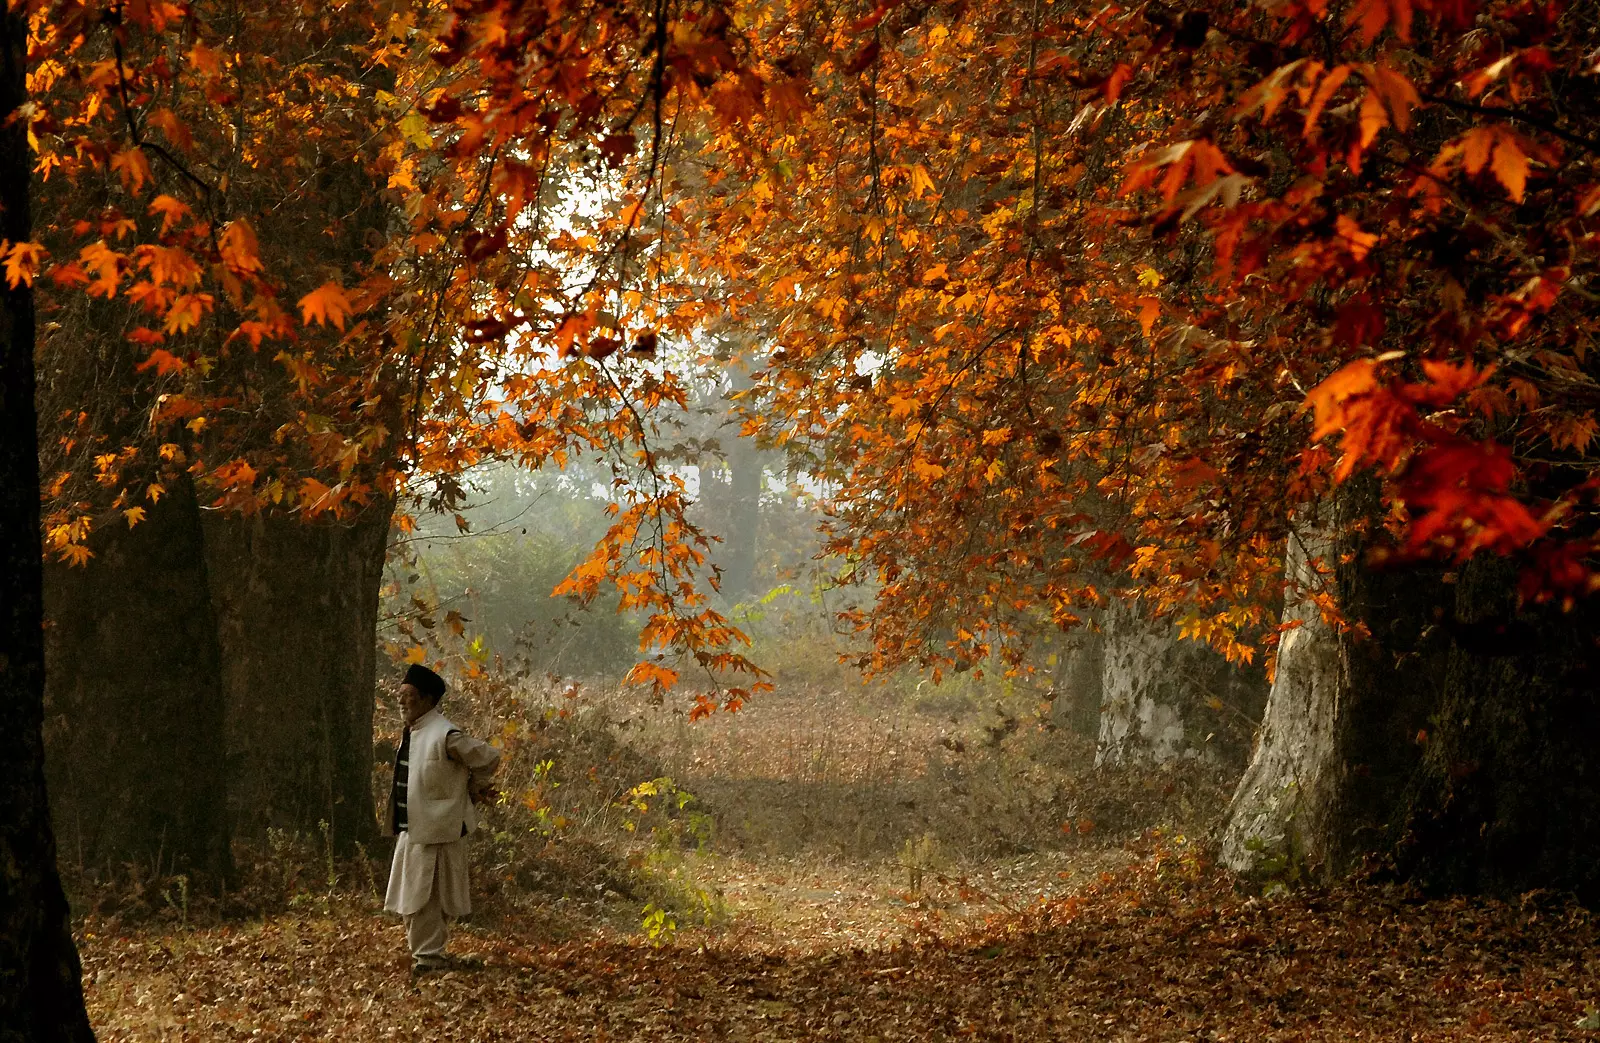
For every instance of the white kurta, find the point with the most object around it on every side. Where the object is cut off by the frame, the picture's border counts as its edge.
(418, 868)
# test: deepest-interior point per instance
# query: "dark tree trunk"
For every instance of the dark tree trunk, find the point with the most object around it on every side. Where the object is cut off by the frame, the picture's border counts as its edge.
(297, 605)
(1508, 796)
(134, 697)
(41, 989)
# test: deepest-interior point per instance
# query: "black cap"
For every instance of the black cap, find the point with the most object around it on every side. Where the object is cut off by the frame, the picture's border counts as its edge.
(425, 681)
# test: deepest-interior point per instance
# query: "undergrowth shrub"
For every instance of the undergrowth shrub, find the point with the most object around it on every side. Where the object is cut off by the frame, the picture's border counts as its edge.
(585, 823)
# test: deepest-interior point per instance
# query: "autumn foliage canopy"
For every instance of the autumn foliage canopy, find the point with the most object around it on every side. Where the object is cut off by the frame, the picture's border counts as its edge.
(1056, 301)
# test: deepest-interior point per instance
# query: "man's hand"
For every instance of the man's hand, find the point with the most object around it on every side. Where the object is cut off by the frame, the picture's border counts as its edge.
(484, 793)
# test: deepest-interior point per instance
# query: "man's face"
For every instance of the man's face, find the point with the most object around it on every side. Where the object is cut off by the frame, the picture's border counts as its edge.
(413, 703)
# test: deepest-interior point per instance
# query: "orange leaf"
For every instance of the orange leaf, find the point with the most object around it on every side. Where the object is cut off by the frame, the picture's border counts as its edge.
(171, 210)
(1149, 311)
(1397, 92)
(1353, 379)
(1510, 165)
(239, 249)
(1475, 149)
(132, 166)
(326, 304)
(164, 362)
(1373, 117)
(22, 263)
(186, 312)
(1319, 101)
(1117, 81)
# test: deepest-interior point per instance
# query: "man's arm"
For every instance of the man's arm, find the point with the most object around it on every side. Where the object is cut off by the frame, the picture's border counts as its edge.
(480, 759)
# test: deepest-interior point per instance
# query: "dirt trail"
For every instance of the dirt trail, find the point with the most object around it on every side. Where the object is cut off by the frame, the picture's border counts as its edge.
(817, 906)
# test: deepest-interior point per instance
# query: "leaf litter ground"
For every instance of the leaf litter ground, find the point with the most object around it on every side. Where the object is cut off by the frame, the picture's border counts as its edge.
(1157, 949)
(1085, 940)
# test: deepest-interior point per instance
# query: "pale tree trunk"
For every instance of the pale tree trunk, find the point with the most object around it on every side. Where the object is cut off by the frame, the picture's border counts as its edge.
(41, 990)
(1281, 808)
(1164, 697)
(1139, 717)
(745, 478)
(297, 604)
(134, 694)
(1077, 681)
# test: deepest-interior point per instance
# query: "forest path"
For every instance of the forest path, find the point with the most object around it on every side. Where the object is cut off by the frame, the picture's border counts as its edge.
(1156, 951)
(813, 905)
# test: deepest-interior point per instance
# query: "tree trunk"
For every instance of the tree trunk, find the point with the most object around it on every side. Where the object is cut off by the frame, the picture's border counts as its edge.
(41, 989)
(1338, 744)
(1507, 798)
(1139, 719)
(134, 696)
(743, 525)
(1078, 681)
(1282, 806)
(1164, 697)
(297, 606)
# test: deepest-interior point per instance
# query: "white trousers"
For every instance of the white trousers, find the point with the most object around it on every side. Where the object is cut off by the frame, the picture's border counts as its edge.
(425, 931)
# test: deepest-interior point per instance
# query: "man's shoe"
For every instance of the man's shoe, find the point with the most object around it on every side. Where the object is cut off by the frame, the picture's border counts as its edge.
(435, 964)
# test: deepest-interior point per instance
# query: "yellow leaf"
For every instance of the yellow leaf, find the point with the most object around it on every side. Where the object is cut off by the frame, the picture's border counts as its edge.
(76, 554)
(326, 304)
(414, 128)
(134, 515)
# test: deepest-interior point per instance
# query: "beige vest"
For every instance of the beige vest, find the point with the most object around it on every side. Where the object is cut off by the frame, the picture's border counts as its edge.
(437, 802)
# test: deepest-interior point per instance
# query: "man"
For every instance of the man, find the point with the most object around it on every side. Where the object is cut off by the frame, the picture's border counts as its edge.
(439, 772)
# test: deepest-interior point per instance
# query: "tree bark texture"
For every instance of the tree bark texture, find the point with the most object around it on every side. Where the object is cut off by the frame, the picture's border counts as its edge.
(1282, 805)
(134, 699)
(1161, 695)
(1326, 790)
(41, 989)
(1507, 797)
(297, 606)
(1077, 681)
